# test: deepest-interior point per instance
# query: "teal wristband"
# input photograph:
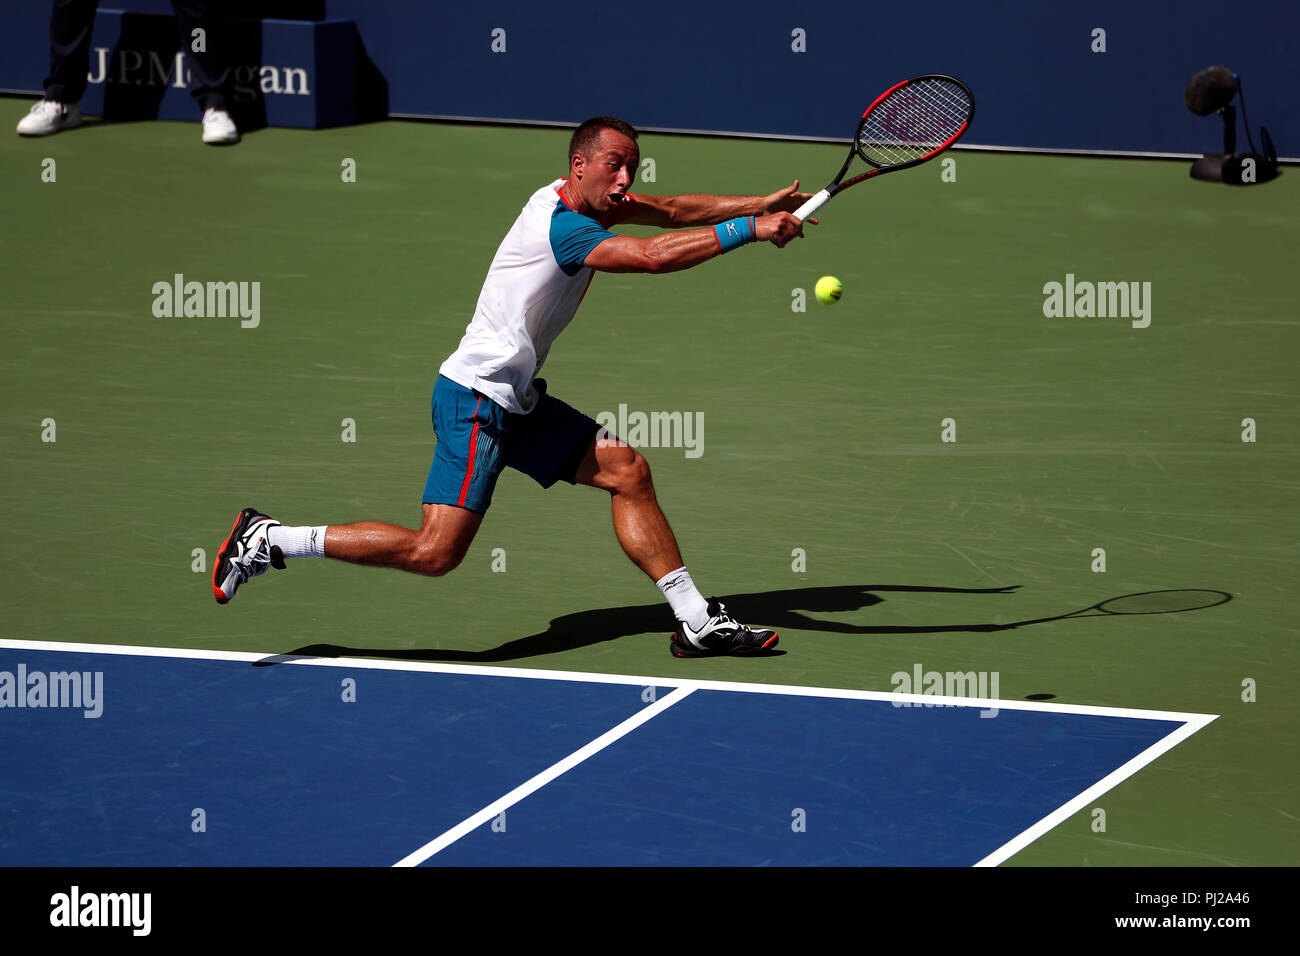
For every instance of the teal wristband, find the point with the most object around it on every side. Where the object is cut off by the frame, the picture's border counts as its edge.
(734, 233)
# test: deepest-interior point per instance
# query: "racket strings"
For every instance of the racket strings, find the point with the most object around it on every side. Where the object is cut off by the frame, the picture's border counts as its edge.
(910, 126)
(912, 122)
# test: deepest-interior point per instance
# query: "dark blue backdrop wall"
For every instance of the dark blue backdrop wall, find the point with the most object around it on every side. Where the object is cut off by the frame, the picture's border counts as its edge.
(732, 65)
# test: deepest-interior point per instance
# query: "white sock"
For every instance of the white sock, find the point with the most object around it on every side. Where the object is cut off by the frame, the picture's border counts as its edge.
(301, 542)
(687, 602)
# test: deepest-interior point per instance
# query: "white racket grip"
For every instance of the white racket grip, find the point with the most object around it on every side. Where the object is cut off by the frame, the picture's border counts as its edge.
(812, 205)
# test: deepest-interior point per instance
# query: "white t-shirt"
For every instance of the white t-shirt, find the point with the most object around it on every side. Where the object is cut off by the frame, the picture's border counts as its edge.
(531, 292)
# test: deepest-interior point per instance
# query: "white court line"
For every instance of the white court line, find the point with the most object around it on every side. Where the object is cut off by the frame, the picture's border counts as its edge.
(1111, 780)
(472, 823)
(1192, 722)
(793, 690)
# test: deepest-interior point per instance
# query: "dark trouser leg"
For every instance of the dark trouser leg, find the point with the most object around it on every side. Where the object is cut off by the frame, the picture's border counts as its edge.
(70, 27)
(210, 69)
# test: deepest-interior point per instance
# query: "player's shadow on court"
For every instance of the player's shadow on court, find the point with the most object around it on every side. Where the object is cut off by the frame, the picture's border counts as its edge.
(789, 609)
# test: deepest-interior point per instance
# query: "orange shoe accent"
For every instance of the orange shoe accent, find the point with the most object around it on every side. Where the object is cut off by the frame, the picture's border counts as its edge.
(219, 594)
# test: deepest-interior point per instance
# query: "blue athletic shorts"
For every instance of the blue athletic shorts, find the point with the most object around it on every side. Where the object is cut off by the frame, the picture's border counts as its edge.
(477, 438)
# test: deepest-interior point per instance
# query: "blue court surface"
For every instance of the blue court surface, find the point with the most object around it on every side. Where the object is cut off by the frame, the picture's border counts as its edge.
(203, 759)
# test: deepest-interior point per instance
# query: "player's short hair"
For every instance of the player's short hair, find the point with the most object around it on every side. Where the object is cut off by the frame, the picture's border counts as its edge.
(587, 136)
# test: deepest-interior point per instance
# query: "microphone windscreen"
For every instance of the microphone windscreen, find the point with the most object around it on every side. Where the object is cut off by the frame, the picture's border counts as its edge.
(1210, 90)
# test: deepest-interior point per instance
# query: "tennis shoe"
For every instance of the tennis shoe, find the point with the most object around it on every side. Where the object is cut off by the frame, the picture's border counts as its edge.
(218, 128)
(46, 117)
(245, 554)
(722, 634)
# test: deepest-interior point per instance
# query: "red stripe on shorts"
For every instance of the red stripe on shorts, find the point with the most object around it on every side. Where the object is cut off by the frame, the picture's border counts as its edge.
(469, 469)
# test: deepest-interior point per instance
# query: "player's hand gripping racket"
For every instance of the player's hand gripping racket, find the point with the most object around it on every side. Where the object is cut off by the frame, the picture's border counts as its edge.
(909, 123)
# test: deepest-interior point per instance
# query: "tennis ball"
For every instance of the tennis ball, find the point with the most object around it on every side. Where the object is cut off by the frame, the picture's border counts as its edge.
(828, 290)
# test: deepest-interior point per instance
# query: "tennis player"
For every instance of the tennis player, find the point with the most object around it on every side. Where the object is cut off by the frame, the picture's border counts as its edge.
(491, 411)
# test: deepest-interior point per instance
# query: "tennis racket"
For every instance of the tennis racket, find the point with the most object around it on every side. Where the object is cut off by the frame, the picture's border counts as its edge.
(909, 123)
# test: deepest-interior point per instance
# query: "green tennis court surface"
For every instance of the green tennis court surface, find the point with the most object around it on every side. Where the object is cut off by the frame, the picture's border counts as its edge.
(821, 447)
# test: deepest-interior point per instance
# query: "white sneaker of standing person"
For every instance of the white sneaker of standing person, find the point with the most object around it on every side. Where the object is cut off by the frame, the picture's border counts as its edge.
(47, 116)
(218, 128)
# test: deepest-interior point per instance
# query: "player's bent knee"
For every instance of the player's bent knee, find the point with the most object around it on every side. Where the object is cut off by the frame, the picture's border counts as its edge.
(640, 474)
(632, 473)
(434, 561)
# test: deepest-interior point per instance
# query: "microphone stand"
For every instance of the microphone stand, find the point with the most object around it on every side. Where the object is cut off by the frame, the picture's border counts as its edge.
(1210, 167)
(1227, 167)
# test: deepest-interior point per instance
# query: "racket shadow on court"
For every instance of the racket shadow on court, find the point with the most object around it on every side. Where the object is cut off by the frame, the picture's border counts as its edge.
(782, 610)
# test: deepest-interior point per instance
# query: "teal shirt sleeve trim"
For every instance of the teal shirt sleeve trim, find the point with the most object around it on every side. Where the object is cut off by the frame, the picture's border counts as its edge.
(573, 236)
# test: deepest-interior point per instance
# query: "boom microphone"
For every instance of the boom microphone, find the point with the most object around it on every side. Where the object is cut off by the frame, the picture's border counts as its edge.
(1210, 90)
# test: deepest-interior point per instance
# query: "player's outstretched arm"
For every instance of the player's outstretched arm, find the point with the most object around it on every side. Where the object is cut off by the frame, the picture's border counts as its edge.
(699, 209)
(675, 251)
